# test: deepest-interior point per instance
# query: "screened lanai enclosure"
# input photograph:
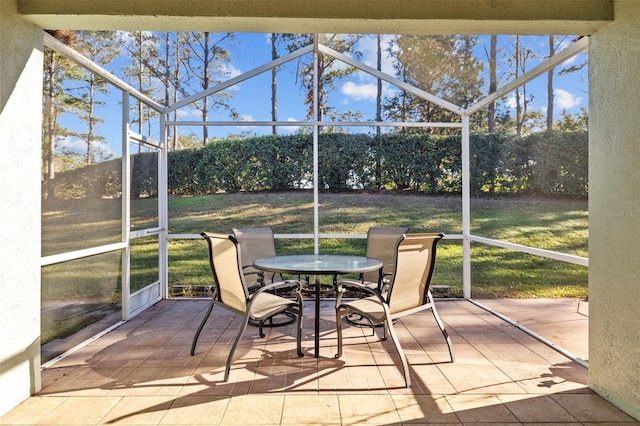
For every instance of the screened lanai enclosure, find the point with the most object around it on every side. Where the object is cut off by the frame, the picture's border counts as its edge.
(121, 232)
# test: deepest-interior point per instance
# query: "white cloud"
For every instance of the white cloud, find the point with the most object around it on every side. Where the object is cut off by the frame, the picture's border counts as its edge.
(227, 72)
(129, 40)
(363, 86)
(572, 60)
(338, 65)
(360, 92)
(245, 117)
(368, 46)
(565, 100)
(290, 128)
(365, 91)
(230, 71)
(188, 111)
(79, 146)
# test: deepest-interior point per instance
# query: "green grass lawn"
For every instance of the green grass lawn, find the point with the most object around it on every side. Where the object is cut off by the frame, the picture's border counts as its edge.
(554, 225)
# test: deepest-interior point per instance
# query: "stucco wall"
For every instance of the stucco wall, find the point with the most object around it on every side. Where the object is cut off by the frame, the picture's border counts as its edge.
(20, 117)
(614, 209)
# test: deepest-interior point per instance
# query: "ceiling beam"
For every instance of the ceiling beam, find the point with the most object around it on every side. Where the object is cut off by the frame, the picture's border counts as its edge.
(345, 16)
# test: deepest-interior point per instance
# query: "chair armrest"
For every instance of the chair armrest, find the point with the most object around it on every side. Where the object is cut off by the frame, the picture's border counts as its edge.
(281, 284)
(253, 271)
(342, 286)
(388, 270)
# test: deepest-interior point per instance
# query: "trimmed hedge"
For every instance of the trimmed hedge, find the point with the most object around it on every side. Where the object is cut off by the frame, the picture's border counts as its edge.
(541, 164)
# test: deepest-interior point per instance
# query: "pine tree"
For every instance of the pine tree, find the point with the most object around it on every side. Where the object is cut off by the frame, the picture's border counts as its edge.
(55, 102)
(208, 64)
(99, 47)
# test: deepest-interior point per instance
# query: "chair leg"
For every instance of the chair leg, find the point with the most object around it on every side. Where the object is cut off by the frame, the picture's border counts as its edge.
(339, 331)
(385, 327)
(434, 311)
(204, 320)
(299, 333)
(396, 342)
(235, 345)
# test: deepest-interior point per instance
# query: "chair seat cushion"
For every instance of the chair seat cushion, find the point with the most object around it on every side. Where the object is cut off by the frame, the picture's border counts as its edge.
(369, 307)
(268, 304)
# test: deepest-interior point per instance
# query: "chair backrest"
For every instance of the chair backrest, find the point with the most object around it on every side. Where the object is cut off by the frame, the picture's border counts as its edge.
(224, 259)
(381, 244)
(254, 243)
(415, 261)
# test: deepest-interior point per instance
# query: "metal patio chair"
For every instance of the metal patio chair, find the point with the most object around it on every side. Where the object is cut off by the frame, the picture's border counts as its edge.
(381, 244)
(256, 243)
(230, 292)
(408, 293)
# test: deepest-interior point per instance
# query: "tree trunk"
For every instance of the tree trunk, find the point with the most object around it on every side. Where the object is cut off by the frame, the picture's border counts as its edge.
(92, 85)
(140, 82)
(167, 76)
(50, 130)
(379, 116)
(176, 88)
(493, 82)
(516, 54)
(274, 84)
(205, 86)
(552, 51)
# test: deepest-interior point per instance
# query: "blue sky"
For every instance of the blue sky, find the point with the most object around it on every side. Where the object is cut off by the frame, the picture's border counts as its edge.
(252, 101)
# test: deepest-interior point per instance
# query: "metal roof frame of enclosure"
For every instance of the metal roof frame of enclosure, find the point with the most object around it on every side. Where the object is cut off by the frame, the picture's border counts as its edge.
(142, 299)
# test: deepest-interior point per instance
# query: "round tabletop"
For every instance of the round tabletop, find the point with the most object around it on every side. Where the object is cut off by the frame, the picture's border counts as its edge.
(316, 264)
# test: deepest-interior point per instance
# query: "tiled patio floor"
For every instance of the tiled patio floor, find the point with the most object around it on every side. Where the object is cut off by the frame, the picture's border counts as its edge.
(141, 373)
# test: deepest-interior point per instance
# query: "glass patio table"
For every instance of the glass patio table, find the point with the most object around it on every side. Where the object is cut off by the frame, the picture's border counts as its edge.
(317, 265)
